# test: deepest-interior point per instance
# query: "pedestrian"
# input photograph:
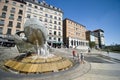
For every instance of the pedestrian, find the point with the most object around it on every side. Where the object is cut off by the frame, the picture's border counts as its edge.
(88, 50)
(78, 56)
(82, 58)
(108, 52)
(74, 54)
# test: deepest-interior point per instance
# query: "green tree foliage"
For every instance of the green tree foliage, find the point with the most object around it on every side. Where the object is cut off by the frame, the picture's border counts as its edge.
(92, 44)
(113, 48)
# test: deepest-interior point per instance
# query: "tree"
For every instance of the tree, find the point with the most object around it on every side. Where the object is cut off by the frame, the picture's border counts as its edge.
(92, 44)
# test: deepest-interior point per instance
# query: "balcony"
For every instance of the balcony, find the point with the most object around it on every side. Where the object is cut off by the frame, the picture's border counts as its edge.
(12, 11)
(2, 24)
(2, 16)
(17, 26)
(19, 19)
(4, 9)
(20, 13)
(10, 25)
(12, 18)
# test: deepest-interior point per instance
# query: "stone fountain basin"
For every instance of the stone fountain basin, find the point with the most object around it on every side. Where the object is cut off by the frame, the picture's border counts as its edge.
(38, 64)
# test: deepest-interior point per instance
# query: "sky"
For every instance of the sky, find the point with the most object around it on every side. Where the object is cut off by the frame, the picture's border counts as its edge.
(94, 14)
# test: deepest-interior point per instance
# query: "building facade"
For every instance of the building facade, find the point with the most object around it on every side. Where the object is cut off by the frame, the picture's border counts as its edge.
(74, 34)
(11, 16)
(14, 13)
(90, 36)
(50, 16)
(99, 33)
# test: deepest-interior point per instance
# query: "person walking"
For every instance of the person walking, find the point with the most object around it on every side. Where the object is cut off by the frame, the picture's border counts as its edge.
(74, 54)
(82, 58)
(88, 51)
(108, 52)
(78, 56)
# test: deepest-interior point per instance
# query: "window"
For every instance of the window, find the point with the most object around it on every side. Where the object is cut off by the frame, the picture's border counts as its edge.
(3, 15)
(29, 10)
(50, 32)
(55, 22)
(41, 8)
(40, 18)
(17, 31)
(28, 15)
(59, 33)
(45, 20)
(9, 31)
(12, 10)
(21, 5)
(46, 15)
(10, 24)
(55, 17)
(54, 38)
(14, 3)
(35, 16)
(59, 28)
(19, 18)
(1, 30)
(11, 16)
(50, 26)
(71, 42)
(55, 27)
(35, 11)
(50, 38)
(54, 32)
(1, 22)
(50, 16)
(59, 39)
(59, 18)
(4, 8)
(55, 12)
(59, 23)
(6, 1)
(18, 25)
(36, 7)
(50, 21)
(30, 5)
(20, 12)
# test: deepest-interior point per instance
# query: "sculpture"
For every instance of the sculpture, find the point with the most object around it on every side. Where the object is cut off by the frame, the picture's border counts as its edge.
(35, 37)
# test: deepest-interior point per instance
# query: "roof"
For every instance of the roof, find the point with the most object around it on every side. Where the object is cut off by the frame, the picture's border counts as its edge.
(73, 21)
(44, 4)
(21, 1)
(98, 30)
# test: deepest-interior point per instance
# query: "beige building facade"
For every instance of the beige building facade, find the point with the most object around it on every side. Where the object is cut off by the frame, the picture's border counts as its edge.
(11, 16)
(74, 35)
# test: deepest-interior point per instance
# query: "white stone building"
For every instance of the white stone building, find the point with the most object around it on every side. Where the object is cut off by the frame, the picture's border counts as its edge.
(50, 16)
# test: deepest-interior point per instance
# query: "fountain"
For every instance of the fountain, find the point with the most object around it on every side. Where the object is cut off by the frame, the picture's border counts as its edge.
(36, 57)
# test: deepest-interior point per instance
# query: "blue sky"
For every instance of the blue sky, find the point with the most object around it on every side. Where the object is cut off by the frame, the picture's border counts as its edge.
(94, 14)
